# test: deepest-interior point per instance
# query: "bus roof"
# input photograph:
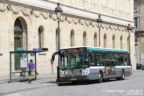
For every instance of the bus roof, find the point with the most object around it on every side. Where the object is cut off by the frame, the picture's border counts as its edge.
(99, 49)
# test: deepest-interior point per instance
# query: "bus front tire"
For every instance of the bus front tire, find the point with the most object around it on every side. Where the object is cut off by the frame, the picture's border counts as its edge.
(100, 77)
(123, 76)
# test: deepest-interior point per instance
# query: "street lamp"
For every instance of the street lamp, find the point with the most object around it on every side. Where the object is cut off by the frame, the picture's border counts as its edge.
(58, 11)
(129, 28)
(99, 21)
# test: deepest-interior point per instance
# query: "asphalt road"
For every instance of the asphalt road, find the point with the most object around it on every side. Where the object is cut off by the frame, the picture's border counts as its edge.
(132, 86)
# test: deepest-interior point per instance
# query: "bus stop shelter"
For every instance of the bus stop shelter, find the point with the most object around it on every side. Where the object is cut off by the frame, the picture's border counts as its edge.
(18, 65)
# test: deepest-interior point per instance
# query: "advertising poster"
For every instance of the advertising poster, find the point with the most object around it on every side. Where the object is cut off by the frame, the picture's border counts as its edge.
(23, 62)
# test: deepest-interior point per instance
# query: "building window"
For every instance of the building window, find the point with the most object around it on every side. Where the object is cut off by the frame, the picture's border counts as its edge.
(84, 39)
(128, 43)
(121, 47)
(40, 36)
(95, 40)
(113, 41)
(135, 6)
(136, 22)
(136, 38)
(104, 44)
(137, 53)
(72, 38)
(20, 34)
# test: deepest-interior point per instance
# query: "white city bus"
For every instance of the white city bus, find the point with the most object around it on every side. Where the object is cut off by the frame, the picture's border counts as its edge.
(90, 63)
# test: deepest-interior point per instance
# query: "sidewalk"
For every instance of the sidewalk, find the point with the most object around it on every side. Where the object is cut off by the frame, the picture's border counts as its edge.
(42, 81)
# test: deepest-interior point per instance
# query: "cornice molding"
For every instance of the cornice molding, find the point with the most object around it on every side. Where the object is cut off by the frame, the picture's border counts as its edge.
(68, 19)
(75, 20)
(87, 22)
(25, 11)
(53, 16)
(81, 21)
(3, 7)
(92, 24)
(44, 15)
(62, 18)
(115, 28)
(107, 27)
(110, 27)
(36, 14)
(15, 9)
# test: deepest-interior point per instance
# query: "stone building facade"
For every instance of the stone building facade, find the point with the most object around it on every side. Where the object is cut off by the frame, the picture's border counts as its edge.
(138, 18)
(35, 22)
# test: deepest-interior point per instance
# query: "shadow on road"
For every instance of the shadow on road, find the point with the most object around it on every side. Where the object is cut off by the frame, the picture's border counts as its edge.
(77, 83)
(74, 83)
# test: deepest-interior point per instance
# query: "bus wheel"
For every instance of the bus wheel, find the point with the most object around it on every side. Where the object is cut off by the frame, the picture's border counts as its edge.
(123, 75)
(100, 77)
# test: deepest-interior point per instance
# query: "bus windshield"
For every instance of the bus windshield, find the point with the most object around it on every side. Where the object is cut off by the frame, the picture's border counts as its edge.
(73, 58)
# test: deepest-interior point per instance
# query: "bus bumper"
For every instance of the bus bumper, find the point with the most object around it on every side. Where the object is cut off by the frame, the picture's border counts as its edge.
(68, 79)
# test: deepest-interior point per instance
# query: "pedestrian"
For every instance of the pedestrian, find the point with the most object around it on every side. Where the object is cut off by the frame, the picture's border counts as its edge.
(31, 67)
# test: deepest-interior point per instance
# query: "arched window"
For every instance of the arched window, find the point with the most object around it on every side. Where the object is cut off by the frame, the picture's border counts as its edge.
(18, 31)
(95, 40)
(40, 37)
(20, 34)
(72, 38)
(121, 45)
(113, 41)
(57, 39)
(84, 39)
(104, 44)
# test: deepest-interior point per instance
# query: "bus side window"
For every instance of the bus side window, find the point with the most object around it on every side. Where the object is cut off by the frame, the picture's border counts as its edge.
(115, 59)
(92, 59)
(109, 59)
(120, 59)
(98, 59)
(126, 63)
(101, 60)
(78, 60)
(105, 59)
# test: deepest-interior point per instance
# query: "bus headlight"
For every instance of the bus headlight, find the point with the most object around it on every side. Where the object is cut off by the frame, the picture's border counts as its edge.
(77, 72)
(85, 72)
(67, 73)
(62, 74)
